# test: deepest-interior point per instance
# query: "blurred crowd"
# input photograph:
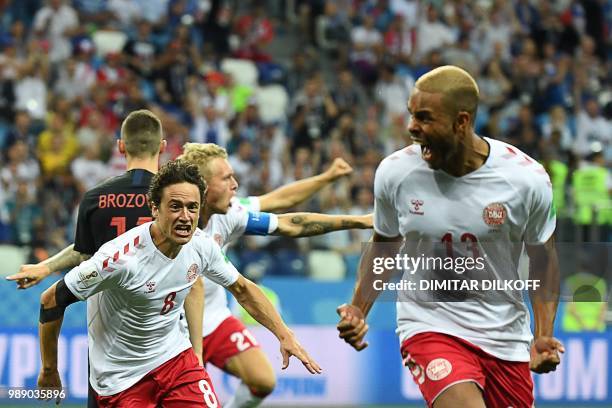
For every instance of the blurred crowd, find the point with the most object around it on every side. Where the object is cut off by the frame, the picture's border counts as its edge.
(286, 87)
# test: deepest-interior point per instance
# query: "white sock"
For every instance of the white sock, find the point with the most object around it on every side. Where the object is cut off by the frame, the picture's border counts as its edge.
(243, 398)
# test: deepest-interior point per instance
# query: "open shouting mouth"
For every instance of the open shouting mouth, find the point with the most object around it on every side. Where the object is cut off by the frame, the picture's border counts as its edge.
(183, 230)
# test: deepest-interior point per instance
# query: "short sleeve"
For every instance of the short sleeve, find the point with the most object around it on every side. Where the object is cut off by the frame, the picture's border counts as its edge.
(218, 267)
(84, 241)
(542, 219)
(95, 274)
(251, 203)
(386, 221)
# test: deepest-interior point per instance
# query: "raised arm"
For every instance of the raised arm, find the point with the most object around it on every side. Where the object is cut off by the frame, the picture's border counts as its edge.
(194, 314)
(253, 300)
(352, 326)
(544, 267)
(53, 303)
(309, 224)
(30, 275)
(293, 194)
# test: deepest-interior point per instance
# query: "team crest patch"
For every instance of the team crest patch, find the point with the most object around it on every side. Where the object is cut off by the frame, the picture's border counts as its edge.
(192, 273)
(218, 239)
(438, 369)
(494, 214)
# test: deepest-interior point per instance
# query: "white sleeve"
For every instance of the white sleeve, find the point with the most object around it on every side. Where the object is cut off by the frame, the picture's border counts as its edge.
(235, 221)
(251, 203)
(385, 215)
(95, 274)
(542, 219)
(217, 267)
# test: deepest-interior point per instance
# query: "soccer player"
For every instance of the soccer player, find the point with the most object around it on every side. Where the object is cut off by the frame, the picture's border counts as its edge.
(140, 355)
(140, 170)
(462, 190)
(113, 207)
(261, 382)
(227, 343)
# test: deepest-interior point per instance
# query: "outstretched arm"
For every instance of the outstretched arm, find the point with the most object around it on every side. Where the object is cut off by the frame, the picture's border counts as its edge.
(250, 296)
(309, 224)
(544, 268)
(293, 194)
(53, 303)
(352, 326)
(194, 314)
(30, 275)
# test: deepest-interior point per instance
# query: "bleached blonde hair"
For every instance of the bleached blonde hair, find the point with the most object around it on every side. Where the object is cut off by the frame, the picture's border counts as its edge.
(459, 89)
(201, 154)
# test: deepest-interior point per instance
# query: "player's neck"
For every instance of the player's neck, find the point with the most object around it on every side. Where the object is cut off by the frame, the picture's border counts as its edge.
(205, 215)
(145, 164)
(472, 155)
(162, 243)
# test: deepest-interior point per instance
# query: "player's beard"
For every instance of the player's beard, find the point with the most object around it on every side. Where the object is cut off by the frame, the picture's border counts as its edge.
(439, 153)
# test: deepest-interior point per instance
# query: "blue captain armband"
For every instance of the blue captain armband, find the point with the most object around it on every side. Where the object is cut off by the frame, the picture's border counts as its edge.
(261, 223)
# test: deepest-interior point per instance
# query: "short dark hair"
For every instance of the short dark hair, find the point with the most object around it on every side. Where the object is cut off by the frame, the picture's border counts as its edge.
(175, 172)
(141, 132)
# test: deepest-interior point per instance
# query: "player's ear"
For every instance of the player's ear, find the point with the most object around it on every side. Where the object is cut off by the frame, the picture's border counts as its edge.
(162, 146)
(121, 146)
(154, 210)
(462, 122)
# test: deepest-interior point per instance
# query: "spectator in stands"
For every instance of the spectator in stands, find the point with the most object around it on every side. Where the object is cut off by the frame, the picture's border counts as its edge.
(21, 131)
(141, 51)
(56, 149)
(20, 167)
(332, 30)
(55, 23)
(75, 80)
(210, 125)
(347, 95)
(242, 163)
(391, 94)
(88, 170)
(557, 121)
(24, 214)
(367, 46)
(432, 33)
(593, 131)
(399, 40)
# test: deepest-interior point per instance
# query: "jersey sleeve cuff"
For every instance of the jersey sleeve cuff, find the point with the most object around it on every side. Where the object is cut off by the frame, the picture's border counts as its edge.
(73, 291)
(384, 234)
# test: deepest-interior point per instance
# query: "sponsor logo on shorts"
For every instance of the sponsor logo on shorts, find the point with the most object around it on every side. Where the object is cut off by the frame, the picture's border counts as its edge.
(192, 273)
(438, 369)
(494, 214)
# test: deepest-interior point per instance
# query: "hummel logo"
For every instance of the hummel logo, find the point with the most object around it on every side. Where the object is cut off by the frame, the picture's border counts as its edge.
(415, 207)
(150, 286)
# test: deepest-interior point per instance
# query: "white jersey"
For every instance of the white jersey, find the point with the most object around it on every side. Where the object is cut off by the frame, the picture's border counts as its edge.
(242, 217)
(135, 325)
(500, 206)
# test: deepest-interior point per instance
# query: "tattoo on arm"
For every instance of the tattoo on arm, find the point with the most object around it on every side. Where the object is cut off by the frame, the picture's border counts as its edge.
(65, 259)
(309, 228)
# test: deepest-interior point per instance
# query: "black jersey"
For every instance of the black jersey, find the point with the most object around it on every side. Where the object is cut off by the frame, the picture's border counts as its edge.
(111, 208)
